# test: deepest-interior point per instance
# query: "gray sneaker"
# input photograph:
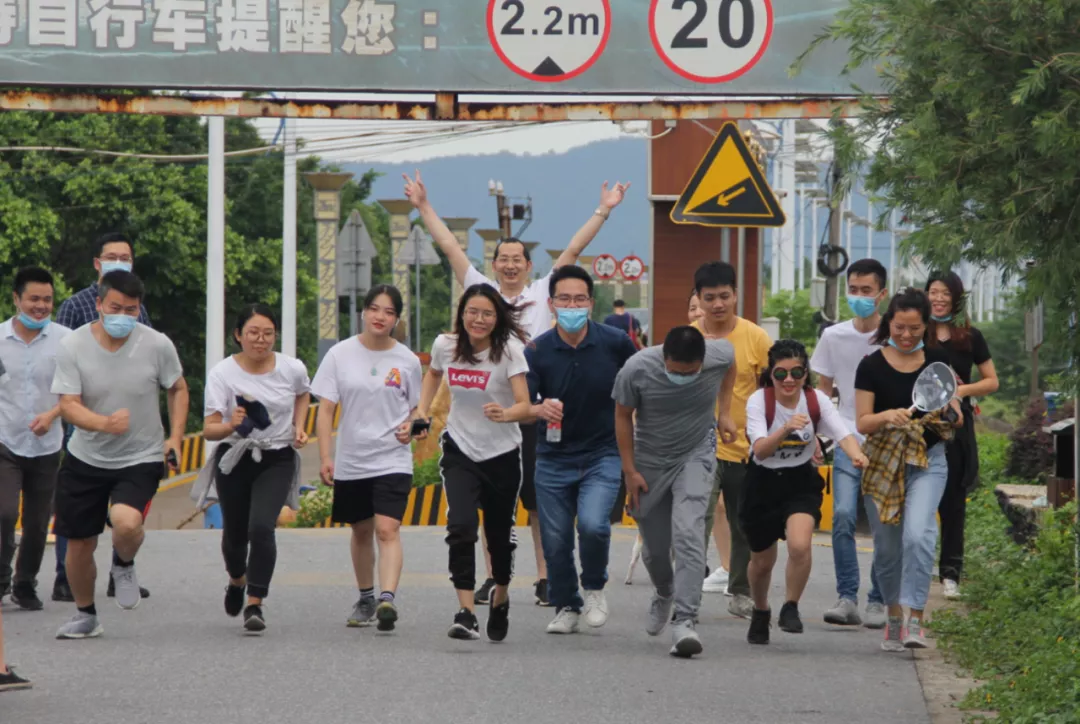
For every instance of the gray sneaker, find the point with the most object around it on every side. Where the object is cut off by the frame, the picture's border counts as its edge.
(741, 606)
(684, 640)
(875, 616)
(363, 613)
(914, 636)
(659, 613)
(893, 642)
(128, 594)
(81, 626)
(844, 613)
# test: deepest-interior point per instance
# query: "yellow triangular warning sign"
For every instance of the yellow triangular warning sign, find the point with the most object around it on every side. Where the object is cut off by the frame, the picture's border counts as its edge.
(728, 188)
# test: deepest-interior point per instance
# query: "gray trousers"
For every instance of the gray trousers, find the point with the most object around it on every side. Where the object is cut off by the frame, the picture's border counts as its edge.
(671, 519)
(35, 478)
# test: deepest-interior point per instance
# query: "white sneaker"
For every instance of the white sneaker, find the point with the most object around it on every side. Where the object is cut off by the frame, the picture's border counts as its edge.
(596, 609)
(914, 636)
(952, 590)
(875, 616)
(741, 606)
(844, 613)
(565, 622)
(128, 594)
(716, 582)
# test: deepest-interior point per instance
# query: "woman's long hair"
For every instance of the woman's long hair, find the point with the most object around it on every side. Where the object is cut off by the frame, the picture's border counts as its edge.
(904, 301)
(960, 325)
(780, 351)
(506, 326)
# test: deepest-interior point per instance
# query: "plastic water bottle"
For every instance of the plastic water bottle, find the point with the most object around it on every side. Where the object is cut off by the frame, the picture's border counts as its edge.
(554, 430)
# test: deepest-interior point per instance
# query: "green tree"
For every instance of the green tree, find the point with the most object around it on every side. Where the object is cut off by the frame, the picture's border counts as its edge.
(978, 142)
(795, 314)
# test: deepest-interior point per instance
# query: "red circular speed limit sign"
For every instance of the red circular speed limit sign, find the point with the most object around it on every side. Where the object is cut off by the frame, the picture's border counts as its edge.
(549, 40)
(604, 266)
(631, 268)
(711, 41)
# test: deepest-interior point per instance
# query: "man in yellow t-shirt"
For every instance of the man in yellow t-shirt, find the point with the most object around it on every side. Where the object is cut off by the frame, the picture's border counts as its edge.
(716, 287)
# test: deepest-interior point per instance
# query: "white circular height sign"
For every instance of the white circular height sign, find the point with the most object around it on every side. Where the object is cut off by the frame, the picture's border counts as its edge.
(711, 41)
(549, 41)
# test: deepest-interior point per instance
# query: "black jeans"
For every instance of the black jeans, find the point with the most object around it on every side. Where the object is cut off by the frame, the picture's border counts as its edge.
(492, 486)
(953, 512)
(251, 498)
(35, 478)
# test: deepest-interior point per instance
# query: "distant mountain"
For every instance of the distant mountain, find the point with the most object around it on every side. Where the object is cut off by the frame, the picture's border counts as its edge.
(565, 189)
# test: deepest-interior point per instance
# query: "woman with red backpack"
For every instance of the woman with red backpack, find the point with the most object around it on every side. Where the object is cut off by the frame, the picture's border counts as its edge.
(783, 489)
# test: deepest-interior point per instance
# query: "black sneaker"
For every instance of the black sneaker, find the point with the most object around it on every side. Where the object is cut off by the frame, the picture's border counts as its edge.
(25, 597)
(465, 627)
(110, 592)
(10, 681)
(483, 594)
(62, 592)
(542, 593)
(5, 588)
(789, 618)
(234, 600)
(386, 616)
(254, 621)
(498, 623)
(759, 627)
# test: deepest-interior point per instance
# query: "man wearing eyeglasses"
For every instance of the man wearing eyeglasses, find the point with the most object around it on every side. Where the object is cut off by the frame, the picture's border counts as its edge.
(572, 370)
(115, 252)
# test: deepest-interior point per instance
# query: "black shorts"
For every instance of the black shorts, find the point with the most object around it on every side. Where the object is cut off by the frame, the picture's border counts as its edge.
(529, 437)
(771, 496)
(358, 500)
(83, 494)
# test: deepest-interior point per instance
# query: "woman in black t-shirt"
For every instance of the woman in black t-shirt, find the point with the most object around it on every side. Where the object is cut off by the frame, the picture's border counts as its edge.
(951, 330)
(903, 553)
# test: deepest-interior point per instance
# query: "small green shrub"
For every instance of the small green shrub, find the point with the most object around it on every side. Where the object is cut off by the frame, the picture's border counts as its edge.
(315, 506)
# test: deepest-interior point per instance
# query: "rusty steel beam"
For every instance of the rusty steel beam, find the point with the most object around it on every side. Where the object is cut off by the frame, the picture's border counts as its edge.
(447, 107)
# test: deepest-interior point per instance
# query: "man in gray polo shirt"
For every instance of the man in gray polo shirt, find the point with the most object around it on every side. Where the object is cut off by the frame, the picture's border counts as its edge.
(668, 462)
(108, 374)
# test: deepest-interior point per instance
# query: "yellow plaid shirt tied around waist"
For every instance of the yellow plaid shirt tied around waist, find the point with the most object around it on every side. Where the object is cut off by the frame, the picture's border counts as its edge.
(890, 450)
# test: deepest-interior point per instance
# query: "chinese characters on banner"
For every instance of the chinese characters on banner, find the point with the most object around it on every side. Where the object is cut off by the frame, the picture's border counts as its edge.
(237, 26)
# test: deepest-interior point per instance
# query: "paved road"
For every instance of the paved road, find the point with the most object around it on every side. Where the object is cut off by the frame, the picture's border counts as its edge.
(179, 659)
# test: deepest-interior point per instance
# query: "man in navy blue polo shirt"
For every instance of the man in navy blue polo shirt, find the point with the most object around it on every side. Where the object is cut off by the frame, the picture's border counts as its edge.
(572, 370)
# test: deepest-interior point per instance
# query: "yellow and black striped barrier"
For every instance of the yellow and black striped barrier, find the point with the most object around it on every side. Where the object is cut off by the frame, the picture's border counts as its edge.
(427, 506)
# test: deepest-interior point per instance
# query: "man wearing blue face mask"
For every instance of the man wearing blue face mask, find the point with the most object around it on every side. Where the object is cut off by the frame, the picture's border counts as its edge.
(572, 370)
(30, 434)
(108, 375)
(115, 252)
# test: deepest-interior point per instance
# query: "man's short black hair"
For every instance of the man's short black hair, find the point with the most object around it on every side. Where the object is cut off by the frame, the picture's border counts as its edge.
(512, 240)
(569, 271)
(618, 303)
(29, 275)
(684, 344)
(715, 274)
(862, 267)
(113, 237)
(124, 282)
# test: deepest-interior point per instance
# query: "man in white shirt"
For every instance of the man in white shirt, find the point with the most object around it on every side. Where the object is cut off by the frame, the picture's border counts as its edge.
(835, 360)
(30, 436)
(513, 268)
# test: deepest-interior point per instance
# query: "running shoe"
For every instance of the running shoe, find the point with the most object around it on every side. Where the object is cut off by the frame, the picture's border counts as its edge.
(894, 629)
(659, 613)
(25, 597)
(498, 624)
(914, 634)
(715, 582)
(684, 640)
(844, 613)
(789, 620)
(62, 592)
(875, 616)
(127, 586)
(234, 600)
(465, 626)
(541, 591)
(741, 606)
(483, 594)
(596, 610)
(362, 614)
(386, 616)
(952, 590)
(254, 619)
(10, 681)
(759, 627)
(81, 626)
(565, 622)
(110, 592)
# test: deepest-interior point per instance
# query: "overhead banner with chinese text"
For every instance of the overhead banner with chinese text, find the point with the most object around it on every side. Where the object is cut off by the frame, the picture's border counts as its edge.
(655, 47)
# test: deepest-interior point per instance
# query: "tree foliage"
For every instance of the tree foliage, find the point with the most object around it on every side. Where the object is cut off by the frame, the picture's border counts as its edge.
(978, 142)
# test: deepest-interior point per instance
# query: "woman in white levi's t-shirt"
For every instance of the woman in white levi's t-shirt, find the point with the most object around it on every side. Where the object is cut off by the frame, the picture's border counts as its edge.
(375, 380)
(783, 489)
(255, 401)
(484, 365)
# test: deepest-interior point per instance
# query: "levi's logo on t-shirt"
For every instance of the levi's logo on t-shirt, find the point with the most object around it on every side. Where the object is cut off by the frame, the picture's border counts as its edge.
(469, 379)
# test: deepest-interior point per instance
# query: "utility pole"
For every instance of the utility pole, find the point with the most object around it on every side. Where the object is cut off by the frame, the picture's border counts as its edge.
(832, 283)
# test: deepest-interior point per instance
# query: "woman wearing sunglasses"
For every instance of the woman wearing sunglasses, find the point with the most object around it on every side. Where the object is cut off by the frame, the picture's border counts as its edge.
(783, 489)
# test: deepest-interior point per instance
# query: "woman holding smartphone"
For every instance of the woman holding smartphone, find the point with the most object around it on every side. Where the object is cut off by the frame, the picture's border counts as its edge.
(376, 381)
(484, 365)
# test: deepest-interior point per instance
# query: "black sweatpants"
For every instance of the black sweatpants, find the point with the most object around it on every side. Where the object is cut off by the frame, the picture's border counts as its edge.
(251, 498)
(491, 486)
(953, 512)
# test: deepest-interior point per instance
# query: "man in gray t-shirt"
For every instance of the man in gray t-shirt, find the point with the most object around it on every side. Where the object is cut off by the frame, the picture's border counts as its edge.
(108, 375)
(668, 462)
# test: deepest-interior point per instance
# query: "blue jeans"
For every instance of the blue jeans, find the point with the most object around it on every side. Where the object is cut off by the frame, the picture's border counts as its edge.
(586, 489)
(904, 553)
(847, 487)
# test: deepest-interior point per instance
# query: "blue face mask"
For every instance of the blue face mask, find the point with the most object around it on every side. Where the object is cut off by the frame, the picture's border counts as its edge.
(946, 318)
(678, 379)
(118, 326)
(31, 323)
(573, 319)
(919, 346)
(111, 266)
(862, 307)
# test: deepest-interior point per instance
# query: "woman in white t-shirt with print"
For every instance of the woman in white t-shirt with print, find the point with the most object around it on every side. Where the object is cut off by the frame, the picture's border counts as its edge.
(783, 492)
(376, 381)
(256, 401)
(484, 365)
